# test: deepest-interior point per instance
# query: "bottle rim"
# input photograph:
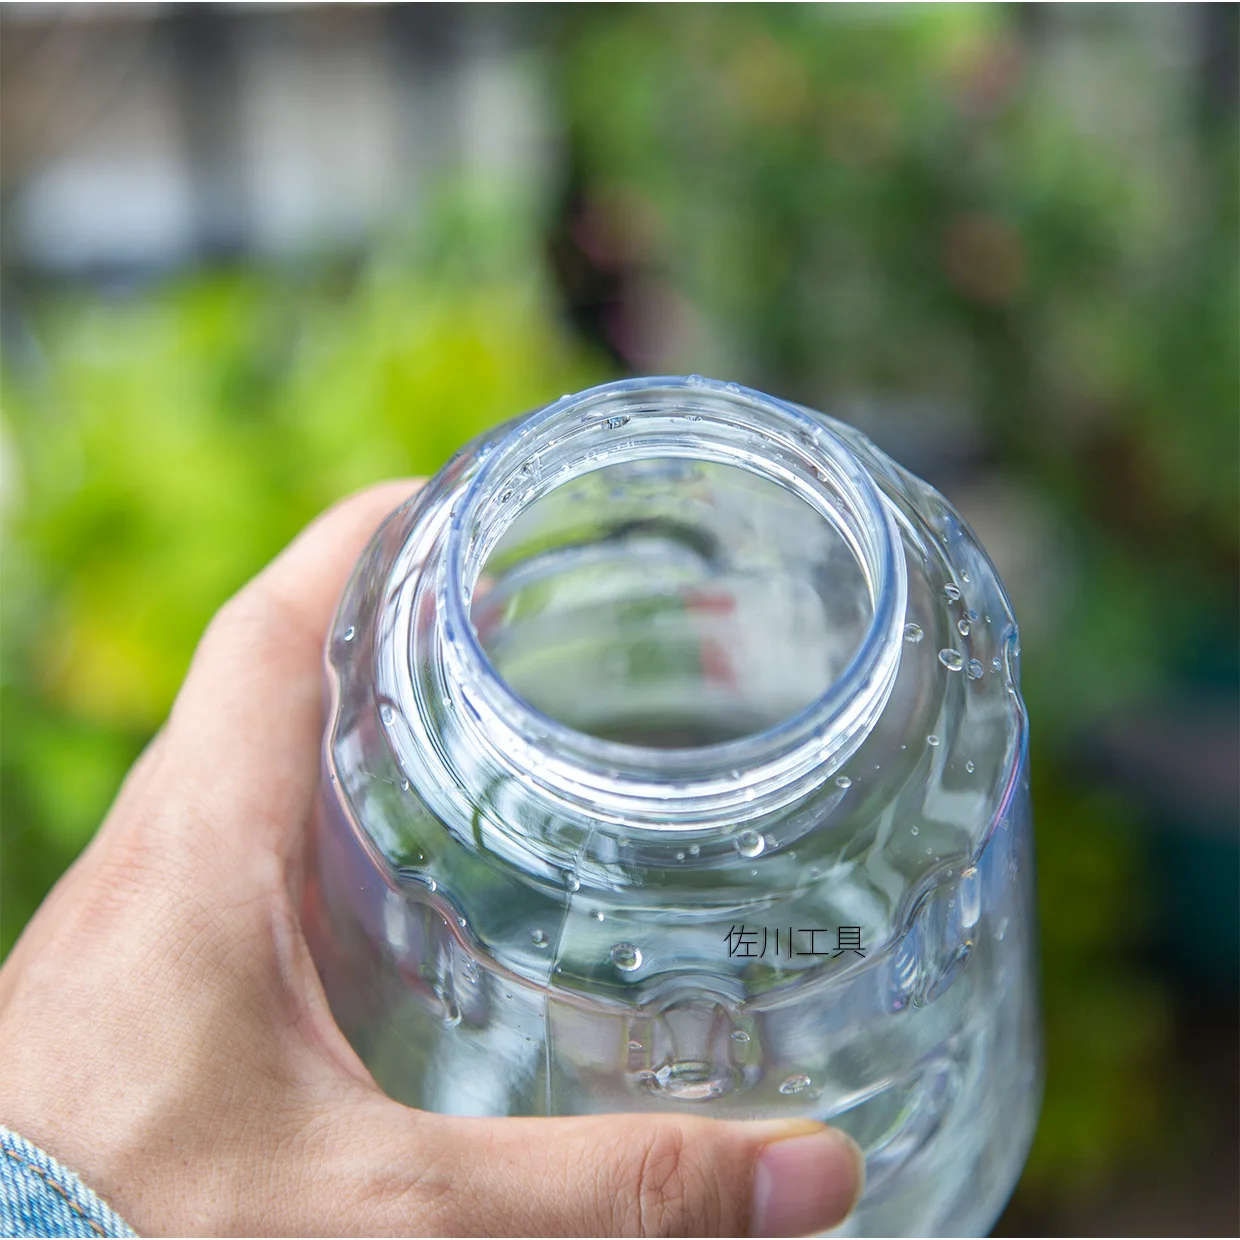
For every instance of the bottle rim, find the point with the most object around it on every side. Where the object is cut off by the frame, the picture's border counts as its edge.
(640, 785)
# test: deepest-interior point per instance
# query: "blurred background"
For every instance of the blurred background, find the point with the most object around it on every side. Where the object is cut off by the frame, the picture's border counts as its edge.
(252, 257)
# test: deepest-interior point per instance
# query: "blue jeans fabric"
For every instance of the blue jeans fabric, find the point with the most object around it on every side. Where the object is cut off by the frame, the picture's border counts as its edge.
(39, 1197)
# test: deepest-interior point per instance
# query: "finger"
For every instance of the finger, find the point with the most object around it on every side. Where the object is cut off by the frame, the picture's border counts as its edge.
(242, 743)
(623, 1175)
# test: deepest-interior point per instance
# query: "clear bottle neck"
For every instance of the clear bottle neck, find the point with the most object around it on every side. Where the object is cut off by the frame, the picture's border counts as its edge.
(673, 432)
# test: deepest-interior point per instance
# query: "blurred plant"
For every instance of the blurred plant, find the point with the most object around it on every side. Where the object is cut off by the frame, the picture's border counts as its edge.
(162, 446)
(1025, 218)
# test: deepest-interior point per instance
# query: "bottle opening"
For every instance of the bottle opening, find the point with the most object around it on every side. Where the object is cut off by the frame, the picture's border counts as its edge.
(672, 603)
(667, 597)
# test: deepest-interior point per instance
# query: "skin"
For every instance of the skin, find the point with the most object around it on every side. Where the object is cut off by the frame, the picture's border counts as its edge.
(166, 1036)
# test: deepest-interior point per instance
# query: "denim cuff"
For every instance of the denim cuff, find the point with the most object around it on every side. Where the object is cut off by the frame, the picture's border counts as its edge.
(39, 1197)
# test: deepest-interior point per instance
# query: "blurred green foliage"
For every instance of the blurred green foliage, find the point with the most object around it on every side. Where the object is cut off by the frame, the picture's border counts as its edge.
(161, 448)
(968, 208)
(847, 205)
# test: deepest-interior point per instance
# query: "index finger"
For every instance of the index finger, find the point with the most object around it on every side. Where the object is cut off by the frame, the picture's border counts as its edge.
(242, 741)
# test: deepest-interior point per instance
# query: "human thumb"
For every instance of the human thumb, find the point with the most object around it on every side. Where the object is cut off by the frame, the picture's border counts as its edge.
(631, 1175)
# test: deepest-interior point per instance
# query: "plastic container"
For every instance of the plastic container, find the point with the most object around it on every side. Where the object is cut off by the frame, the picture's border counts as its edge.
(676, 761)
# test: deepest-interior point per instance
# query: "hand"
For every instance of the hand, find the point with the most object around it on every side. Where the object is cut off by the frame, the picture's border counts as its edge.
(166, 1036)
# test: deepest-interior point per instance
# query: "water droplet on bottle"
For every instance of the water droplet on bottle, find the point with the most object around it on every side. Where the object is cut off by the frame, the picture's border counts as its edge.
(968, 766)
(916, 829)
(404, 785)
(349, 634)
(694, 849)
(470, 971)
(963, 628)
(680, 856)
(750, 843)
(574, 883)
(614, 424)
(932, 739)
(797, 1083)
(976, 670)
(996, 663)
(635, 1046)
(973, 616)
(432, 885)
(539, 938)
(842, 781)
(626, 957)
(460, 921)
(386, 713)
(913, 633)
(739, 1035)
(952, 591)
(597, 914)
(953, 660)
(964, 577)
(505, 495)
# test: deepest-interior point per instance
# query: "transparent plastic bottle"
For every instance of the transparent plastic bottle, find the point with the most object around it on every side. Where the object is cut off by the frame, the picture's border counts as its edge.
(676, 761)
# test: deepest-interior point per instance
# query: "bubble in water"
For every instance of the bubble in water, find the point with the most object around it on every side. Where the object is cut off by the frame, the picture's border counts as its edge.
(973, 616)
(734, 388)
(968, 766)
(614, 424)
(963, 628)
(996, 663)
(574, 883)
(386, 713)
(460, 921)
(626, 957)
(952, 592)
(913, 633)
(696, 381)
(404, 785)
(432, 885)
(739, 1035)
(471, 971)
(349, 633)
(842, 781)
(597, 914)
(635, 1046)
(505, 495)
(916, 830)
(951, 659)
(964, 577)
(797, 1083)
(694, 849)
(750, 843)
(932, 739)
(539, 938)
(680, 856)
(976, 670)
